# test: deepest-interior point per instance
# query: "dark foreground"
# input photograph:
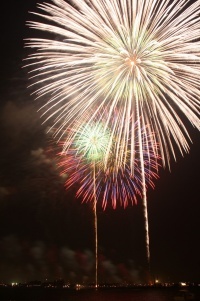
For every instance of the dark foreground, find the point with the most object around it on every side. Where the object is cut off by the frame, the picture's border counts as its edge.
(114, 294)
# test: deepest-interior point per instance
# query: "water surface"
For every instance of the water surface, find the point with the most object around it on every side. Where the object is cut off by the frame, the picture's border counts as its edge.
(114, 294)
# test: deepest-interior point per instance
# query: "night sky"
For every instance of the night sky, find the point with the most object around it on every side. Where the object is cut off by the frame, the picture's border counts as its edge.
(45, 233)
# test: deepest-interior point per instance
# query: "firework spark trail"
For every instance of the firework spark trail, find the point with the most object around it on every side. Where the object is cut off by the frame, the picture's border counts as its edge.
(95, 227)
(110, 53)
(144, 194)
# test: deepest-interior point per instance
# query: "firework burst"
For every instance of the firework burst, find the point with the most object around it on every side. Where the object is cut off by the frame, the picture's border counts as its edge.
(139, 57)
(85, 147)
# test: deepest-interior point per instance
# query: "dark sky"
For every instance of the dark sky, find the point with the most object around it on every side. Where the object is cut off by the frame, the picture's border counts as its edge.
(45, 233)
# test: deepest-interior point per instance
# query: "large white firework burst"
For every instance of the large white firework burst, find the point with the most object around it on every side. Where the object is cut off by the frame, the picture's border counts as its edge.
(140, 58)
